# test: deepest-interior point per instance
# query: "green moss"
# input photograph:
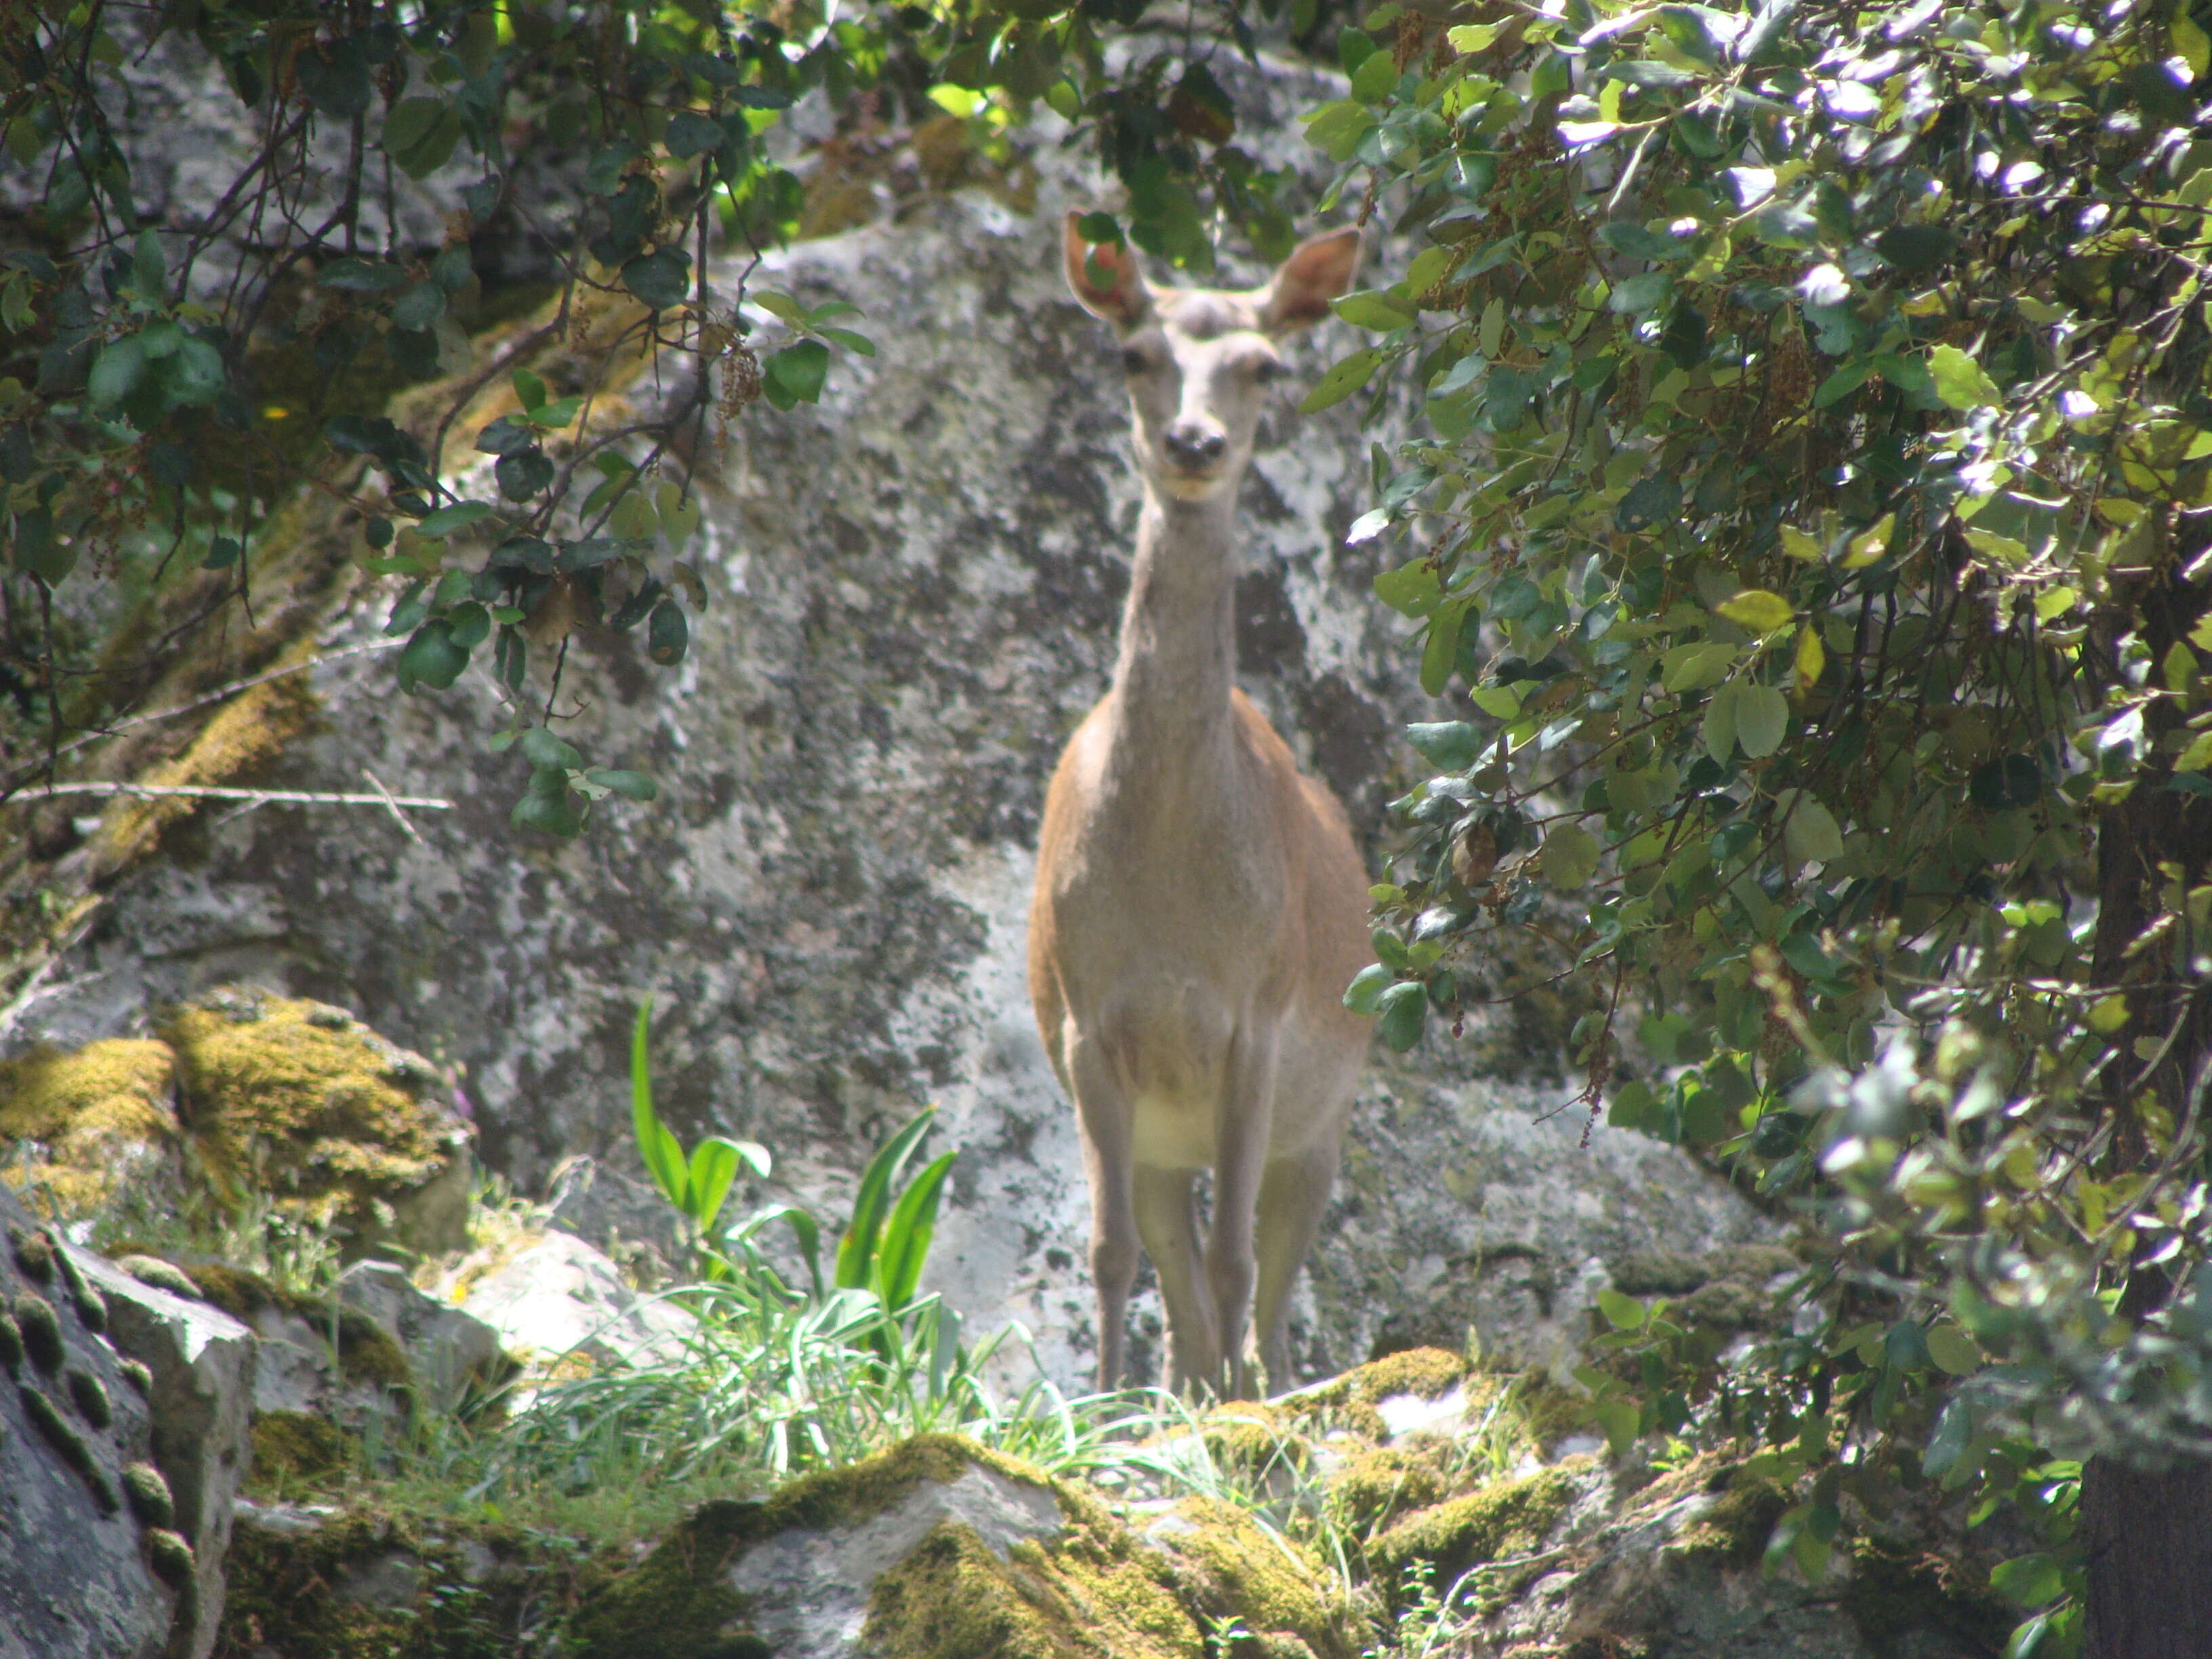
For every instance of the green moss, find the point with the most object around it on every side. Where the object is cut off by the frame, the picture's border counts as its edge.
(91, 1114)
(1740, 1522)
(41, 1330)
(89, 1396)
(296, 1453)
(161, 1275)
(1375, 1486)
(1897, 1590)
(677, 1602)
(34, 1250)
(1254, 1440)
(1509, 1517)
(138, 1375)
(11, 1341)
(319, 1112)
(954, 1598)
(1270, 1585)
(148, 1494)
(171, 1555)
(1548, 1413)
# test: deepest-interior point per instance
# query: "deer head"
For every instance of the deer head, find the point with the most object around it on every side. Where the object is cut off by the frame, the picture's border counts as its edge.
(1199, 359)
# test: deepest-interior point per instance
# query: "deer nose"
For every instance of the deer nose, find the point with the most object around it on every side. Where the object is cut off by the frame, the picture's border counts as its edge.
(1192, 445)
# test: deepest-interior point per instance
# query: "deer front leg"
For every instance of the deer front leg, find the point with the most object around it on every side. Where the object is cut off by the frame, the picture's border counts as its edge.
(1241, 1150)
(1101, 1113)
(1167, 1220)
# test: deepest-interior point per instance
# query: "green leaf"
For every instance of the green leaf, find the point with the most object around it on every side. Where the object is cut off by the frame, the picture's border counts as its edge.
(849, 340)
(661, 280)
(1342, 381)
(1619, 1420)
(432, 656)
(872, 1202)
(714, 1168)
(1623, 1313)
(1570, 856)
(1959, 381)
(447, 520)
(355, 275)
(1411, 590)
(1694, 667)
(799, 369)
(662, 1155)
(1762, 716)
(667, 634)
(1760, 612)
(1402, 1012)
(1952, 1350)
(906, 1233)
(542, 749)
(1447, 746)
(1718, 731)
(1441, 650)
(2030, 1581)
(1366, 989)
(1376, 309)
(1812, 835)
(420, 133)
(116, 372)
(1915, 248)
(634, 785)
(420, 307)
(548, 805)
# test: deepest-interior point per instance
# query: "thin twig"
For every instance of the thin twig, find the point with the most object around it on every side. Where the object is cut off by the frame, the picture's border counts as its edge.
(259, 797)
(405, 823)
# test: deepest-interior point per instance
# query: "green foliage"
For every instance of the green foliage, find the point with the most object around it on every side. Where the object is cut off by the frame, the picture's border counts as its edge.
(1813, 510)
(162, 392)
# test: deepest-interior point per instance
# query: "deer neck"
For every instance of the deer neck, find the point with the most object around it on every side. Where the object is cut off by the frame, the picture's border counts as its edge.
(1178, 653)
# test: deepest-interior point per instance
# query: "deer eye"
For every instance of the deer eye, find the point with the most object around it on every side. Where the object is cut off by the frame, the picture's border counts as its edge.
(1134, 361)
(1268, 369)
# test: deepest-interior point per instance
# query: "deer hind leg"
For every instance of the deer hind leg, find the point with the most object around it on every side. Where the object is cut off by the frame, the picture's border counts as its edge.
(1101, 1113)
(1167, 1220)
(1293, 1197)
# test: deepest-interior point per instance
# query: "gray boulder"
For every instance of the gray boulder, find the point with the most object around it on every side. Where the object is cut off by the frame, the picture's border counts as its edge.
(451, 1353)
(559, 1296)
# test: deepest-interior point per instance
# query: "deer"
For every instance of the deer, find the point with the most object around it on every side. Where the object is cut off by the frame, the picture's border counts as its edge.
(1200, 905)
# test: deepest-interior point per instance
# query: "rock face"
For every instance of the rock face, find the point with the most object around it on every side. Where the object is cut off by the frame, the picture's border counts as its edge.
(112, 1520)
(913, 593)
(201, 1367)
(559, 1296)
(450, 1352)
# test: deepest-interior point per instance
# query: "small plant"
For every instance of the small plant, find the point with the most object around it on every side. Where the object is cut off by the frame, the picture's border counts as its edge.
(697, 1185)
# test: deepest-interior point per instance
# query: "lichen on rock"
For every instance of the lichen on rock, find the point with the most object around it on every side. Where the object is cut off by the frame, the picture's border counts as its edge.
(300, 1101)
(89, 1123)
(1507, 1517)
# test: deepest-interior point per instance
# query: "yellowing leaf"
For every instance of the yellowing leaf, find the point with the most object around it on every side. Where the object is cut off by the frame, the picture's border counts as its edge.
(1868, 545)
(2107, 1014)
(1760, 612)
(1812, 658)
(1471, 37)
(2201, 636)
(2197, 757)
(1570, 856)
(1799, 546)
(1960, 381)
(2054, 602)
(2180, 668)
(1812, 834)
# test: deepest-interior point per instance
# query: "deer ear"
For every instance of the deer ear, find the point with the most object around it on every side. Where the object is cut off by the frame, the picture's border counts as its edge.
(1316, 273)
(1105, 277)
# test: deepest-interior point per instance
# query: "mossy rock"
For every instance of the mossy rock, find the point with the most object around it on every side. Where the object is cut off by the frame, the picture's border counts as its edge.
(300, 1100)
(1091, 1586)
(1507, 1517)
(297, 1453)
(1379, 1484)
(1741, 1520)
(90, 1123)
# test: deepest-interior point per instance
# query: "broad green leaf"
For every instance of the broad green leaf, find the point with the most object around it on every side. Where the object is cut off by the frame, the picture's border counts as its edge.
(1367, 986)
(1447, 746)
(447, 520)
(1441, 651)
(1952, 1350)
(871, 1203)
(1694, 667)
(1960, 381)
(1402, 1012)
(714, 1168)
(1376, 309)
(1762, 716)
(656, 1146)
(2029, 1580)
(1342, 381)
(1812, 835)
(1570, 856)
(1623, 1313)
(1718, 730)
(905, 1247)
